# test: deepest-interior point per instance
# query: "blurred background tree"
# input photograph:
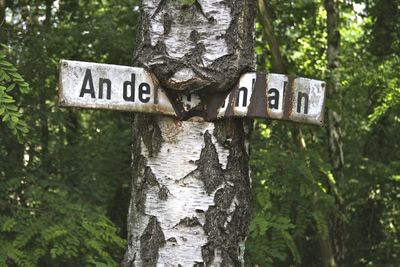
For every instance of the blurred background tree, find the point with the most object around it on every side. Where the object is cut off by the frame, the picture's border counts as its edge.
(64, 174)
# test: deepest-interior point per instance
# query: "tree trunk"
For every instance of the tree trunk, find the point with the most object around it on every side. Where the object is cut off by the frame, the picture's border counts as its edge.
(44, 120)
(333, 89)
(334, 118)
(190, 201)
(2, 12)
(191, 193)
(278, 65)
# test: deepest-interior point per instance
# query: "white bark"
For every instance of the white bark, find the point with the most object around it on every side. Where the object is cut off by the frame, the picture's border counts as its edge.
(196, 45)
(177, 34)
(180, 196)
(190, 203)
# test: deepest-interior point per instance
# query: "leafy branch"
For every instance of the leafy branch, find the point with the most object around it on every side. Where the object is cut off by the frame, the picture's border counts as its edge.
(10, 80)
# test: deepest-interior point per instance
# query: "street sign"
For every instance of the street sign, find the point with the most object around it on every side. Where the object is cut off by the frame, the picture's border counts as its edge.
(105, 86)
(275, 96)
(257, 95)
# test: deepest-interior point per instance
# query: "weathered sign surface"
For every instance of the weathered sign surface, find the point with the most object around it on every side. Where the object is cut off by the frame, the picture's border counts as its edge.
(257, 95)
(104, 86)
(275, 96)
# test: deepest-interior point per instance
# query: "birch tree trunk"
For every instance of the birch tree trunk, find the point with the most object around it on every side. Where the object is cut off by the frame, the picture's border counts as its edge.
(190, 201)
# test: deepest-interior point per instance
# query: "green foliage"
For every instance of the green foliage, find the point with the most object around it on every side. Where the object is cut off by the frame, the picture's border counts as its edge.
(64, 188)
(298, 184)
(291, 199)
(10, 79)
(82, 235)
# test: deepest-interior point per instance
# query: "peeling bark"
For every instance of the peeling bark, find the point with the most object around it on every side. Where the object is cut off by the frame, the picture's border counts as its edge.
(196, 45)
(190, 202)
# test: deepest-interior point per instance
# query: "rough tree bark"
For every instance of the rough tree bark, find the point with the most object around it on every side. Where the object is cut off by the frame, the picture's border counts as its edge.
(196, 45)
(334, 118)
(190, 201)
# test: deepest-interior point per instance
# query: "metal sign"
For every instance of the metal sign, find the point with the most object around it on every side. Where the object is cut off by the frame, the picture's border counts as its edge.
(104, 86)
(257, 95)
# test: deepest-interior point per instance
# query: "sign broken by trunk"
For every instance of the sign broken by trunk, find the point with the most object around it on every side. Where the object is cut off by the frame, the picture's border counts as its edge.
(257, 95)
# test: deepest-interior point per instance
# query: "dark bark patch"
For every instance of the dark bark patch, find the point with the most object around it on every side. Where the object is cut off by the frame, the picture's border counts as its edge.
(194, 36)
(172, 239)
(151, 241)
(222, 74)
(150, 133)
(227, 222)
(189, 222)
(209, 167)
(163, 193)
(144, 179)
(207, 252)
(167, 23)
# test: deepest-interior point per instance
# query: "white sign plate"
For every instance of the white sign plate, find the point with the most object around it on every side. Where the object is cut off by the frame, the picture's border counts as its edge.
(257, 95)
(105, 86)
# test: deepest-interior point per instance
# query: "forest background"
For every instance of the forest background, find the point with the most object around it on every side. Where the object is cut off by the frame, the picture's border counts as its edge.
(65, 173)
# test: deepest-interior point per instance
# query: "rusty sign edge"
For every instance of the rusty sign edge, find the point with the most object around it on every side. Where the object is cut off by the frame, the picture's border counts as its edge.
(155, 109)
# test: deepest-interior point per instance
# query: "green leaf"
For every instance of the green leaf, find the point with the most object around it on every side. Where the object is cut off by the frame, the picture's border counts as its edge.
(14, 119)
(16, 76)
(12, 107)
(6, 117)
(11, 87)
(7, 100)
(24, 84)
(5, 63)
(8, 225)
(23, 129)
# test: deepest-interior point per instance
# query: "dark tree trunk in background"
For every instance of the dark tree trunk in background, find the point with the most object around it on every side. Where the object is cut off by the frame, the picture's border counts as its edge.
(278, 65)
(333, 89)
(334, 118)
(2, 12)
(190, 201)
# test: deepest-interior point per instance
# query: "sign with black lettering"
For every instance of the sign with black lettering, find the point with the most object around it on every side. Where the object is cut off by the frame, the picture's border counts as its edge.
(257, 95)
(104, 86)
(275, 96)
